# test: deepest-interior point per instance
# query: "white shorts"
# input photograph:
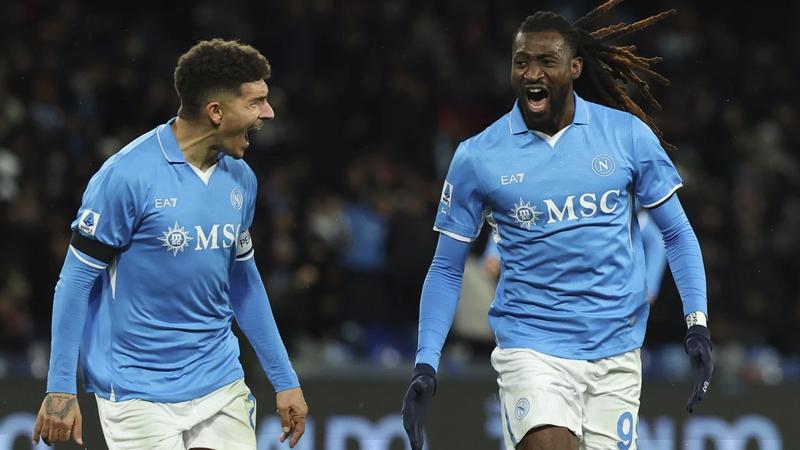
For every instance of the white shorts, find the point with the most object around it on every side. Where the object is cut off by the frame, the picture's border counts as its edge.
(223, 419)
(597, 400)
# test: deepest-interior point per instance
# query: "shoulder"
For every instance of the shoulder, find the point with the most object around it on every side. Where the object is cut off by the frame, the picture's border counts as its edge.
(620, 124)
(490, 138)
(134, 162)
(610, 117)
(241, 172)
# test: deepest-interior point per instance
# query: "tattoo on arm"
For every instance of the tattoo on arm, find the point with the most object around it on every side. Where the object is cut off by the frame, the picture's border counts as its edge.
(59, 405)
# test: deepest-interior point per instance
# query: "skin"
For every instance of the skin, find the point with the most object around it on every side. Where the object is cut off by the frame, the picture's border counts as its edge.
(543, 59)
(222, 129)
(224, 125)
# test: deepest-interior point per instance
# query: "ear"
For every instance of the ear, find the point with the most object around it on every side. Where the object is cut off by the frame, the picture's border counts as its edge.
(576, 67)
(214, 112)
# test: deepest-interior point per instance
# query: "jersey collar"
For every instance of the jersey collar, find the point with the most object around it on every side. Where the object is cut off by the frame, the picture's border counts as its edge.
(517, 125)
(169, 144)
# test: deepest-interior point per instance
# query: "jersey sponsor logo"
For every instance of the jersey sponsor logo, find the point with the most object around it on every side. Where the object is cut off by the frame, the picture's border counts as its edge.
(525, 214)
(166, 202)
(588, 206)
(175, 239)
(237, 199)
(603, 165)
(522, 408)
(88, 222)
(447, 194)
(510, 179)
(573, 207)
(211, 239)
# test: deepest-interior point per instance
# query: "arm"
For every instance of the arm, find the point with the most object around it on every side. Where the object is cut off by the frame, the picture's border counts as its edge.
(250, 305)
(686, 262)
(683, 254)
(439, 298)
(59, 416)
(436, 312)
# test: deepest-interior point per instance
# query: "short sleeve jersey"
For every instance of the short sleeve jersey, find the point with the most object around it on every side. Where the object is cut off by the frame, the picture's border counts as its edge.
(159, 321)
(573, 280)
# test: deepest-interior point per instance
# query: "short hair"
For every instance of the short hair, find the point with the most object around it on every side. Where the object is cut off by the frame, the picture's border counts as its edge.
(214, 66)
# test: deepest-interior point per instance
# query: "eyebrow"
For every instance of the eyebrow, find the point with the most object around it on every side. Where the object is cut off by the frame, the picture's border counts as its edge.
(536, 55)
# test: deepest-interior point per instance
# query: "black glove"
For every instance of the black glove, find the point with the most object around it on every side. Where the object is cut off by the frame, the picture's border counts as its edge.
(698, 347)
(416, 402)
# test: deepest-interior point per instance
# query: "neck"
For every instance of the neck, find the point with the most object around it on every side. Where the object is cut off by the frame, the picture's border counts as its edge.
(196, 142)
(560, 120)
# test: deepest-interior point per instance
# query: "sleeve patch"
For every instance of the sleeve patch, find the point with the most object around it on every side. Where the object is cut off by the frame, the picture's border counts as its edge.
(88, 222)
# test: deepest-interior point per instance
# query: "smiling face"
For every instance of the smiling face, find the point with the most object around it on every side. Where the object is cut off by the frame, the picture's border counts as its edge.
(543, 68)
(236, 115)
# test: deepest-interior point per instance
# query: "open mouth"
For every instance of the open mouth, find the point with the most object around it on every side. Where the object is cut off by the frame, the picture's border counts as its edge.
(537, 98)
(249, 130)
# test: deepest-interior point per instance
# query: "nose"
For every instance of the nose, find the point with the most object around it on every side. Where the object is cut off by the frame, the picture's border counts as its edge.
(266, 113)
(533, 72)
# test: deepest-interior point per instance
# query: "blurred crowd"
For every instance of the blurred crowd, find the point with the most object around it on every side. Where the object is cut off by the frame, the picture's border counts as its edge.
(371, 99)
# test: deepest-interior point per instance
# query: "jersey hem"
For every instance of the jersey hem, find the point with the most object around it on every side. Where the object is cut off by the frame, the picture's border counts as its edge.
(567, 354)
(175, 397)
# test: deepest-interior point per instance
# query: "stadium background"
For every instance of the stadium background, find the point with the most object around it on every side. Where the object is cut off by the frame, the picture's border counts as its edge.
(371, 98)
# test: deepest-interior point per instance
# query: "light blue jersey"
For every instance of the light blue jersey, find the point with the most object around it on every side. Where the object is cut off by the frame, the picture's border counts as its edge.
(159, 320)
(573, 280)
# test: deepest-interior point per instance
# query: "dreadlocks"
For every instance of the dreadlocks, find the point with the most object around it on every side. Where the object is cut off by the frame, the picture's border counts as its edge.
(607, 69)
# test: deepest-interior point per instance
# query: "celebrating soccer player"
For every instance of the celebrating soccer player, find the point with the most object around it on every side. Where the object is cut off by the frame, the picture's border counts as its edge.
(557, 178)
(160, 264)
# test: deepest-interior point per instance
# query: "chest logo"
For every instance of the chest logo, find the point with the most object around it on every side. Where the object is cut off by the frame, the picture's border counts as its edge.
(170, 202)
(175, 239)
(237, 199)
(525, 214)
(514, 178)
(603, 165)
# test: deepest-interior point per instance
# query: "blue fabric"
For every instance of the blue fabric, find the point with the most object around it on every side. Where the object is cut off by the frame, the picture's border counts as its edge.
(573, 266)
(655, 256)
(70, 304)
(439, 298)
(683, 254)
(158, 325)
(254, 316)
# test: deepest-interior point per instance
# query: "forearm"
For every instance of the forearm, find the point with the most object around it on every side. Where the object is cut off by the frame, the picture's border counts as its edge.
(683, 254)
(439, 299)
(70, 305)
(251, 307)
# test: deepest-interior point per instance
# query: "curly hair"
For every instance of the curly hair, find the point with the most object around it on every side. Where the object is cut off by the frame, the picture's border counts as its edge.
(607, 69)
(215, 66)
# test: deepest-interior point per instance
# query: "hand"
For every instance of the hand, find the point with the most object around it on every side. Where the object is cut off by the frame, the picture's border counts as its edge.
(416, 402)
(59, 419)
(292, 410)
(698, 347)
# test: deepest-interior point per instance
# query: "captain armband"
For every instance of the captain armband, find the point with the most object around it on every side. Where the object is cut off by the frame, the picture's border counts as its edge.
(244, 246)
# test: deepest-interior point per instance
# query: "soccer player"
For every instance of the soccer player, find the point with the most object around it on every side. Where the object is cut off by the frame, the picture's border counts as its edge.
(159, 265)
(557, 178)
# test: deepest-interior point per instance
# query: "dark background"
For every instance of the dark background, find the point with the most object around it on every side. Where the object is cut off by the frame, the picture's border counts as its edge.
(371, 99)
